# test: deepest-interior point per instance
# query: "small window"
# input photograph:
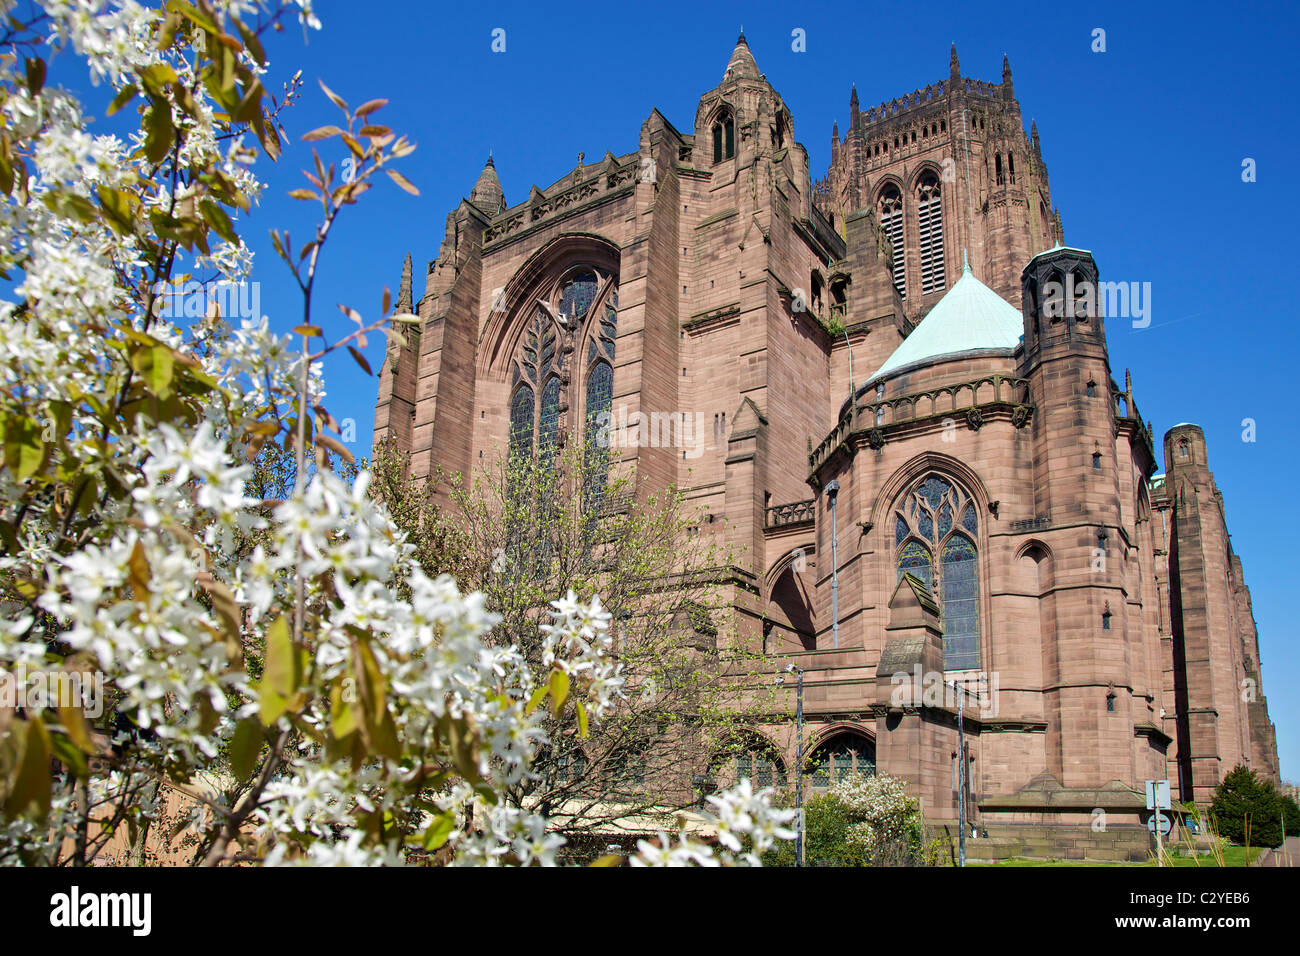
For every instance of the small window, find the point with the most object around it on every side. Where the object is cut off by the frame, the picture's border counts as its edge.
(1011, 169)
(1182, 449)
(724, 136)
(1096, 460)
(1092, 389)
(1110, 703)
(1105, 620)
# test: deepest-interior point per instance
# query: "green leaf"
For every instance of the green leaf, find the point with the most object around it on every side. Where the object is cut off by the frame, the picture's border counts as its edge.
(280, 672)
(32, 782)
(377, 725)
(245, 749)
(125, 95)
(159, 131)
(156, 365)
(539, 695)
(119, 209)
(24, 451)
(582, 719)
(438, 831)
(559, 691)
(75, 726)
(216, 217)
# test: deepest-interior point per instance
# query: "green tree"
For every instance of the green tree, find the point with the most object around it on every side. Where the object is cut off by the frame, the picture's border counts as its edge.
(1247, 809)
(528, 528)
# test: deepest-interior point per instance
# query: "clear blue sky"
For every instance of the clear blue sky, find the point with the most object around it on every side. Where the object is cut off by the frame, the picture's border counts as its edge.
(1144, 144)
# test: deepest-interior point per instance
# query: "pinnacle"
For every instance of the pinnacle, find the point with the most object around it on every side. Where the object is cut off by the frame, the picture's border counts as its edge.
(742, 61)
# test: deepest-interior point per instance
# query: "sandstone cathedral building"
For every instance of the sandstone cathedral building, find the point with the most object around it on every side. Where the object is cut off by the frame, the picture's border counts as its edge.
(922, 454)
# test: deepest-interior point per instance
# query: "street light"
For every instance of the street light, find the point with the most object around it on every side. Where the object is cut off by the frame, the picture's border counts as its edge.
(798, 759)
(961, 771)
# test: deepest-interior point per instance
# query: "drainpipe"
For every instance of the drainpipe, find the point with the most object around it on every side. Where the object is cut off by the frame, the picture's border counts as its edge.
(833, 489)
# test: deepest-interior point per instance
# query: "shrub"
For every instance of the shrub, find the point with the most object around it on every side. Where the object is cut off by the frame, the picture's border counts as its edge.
(863, 821)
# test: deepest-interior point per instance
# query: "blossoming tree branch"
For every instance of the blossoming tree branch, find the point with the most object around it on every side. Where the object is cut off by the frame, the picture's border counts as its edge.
(256, 655)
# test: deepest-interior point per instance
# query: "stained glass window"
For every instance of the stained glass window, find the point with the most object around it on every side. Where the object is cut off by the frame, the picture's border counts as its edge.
(925, 526)
(577, 296)
(552, 341)
(548, 423)
(915, 560)
(600, 399)
(960, 605)
(839, 758)
(521, 420)
(761, 769)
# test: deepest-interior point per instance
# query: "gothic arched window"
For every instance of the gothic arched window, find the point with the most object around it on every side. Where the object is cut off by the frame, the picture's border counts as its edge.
(724, 136)
(561, 325)
(929, 219)
(935, 529)
(839, 758)
(890, 206)
(761, 767)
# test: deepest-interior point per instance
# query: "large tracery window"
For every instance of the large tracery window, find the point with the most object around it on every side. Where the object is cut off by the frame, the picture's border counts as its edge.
(890, 207)
(560, 343)
(935, 529)
(929, 218)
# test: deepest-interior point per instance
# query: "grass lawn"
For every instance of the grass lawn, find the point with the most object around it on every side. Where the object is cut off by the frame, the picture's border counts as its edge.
(1232, 856)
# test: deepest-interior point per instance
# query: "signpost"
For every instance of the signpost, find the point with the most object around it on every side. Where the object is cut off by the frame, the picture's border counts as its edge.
(1159, 824)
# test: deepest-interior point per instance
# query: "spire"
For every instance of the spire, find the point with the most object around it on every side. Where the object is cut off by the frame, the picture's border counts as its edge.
(742, 63)
(954, 68)
(835, 138)
(487, 193)
(1033, 135)
(1008, 90)
(854, 121)
(404, 303)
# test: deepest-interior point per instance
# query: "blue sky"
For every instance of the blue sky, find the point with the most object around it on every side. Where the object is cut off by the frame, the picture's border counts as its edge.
(1144, 144)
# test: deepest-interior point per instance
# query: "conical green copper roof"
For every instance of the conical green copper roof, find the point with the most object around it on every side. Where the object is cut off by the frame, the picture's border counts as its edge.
(970, 317)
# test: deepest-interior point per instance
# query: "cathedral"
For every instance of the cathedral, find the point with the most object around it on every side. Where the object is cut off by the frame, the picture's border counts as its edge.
(888, 390)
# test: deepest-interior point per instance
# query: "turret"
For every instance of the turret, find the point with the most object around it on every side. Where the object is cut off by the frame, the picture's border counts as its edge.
(487, 193)
(1060, 304)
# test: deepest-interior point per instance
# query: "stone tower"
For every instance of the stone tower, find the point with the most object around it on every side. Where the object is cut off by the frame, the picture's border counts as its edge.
(944, 168)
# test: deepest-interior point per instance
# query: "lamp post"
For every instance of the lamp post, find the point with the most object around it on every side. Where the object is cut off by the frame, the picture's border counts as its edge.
(833, 490)
(961, 773)
(798, 759)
